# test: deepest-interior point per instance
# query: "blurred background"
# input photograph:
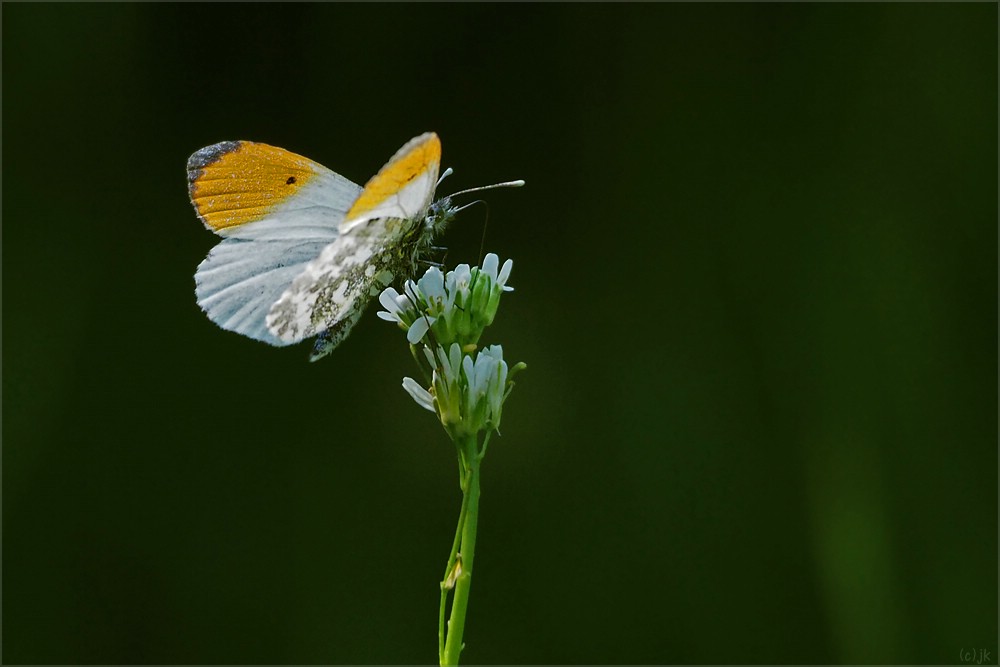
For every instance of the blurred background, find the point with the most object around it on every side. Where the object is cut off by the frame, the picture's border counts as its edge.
(755, 269)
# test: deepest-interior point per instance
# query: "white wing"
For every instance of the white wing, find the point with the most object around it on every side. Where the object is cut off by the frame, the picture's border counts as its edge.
(240, 280)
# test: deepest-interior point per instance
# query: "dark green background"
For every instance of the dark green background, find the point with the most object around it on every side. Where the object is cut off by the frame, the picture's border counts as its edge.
(755, 265)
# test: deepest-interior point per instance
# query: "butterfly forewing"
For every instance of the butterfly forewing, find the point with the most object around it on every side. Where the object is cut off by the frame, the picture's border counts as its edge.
(242, 189)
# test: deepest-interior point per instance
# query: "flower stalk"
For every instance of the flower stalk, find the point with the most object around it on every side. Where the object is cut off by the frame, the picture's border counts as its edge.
(444, 316)
(460, 571)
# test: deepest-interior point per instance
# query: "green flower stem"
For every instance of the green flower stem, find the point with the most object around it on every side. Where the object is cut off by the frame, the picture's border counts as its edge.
(449, 567)
(456, 625)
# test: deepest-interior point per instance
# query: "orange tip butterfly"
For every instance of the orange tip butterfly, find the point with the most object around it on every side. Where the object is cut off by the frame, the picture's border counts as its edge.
(304, 249)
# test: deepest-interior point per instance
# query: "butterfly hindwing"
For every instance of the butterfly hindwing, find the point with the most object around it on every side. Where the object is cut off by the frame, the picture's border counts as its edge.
(376, 245)
(240, 280)
(341, 281)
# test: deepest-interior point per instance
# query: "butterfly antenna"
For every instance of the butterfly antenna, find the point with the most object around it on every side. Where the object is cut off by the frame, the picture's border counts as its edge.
(507, 184)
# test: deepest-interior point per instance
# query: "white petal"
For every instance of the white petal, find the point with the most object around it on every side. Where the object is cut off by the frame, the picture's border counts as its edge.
(404, 303)
(422, 397)
(469, 369)
(412, 291)
(443, 359)
(463, 274)
(486, 367)
(388, 317)
(490, 266)
(497, 388)
(429, 353)
(388, 299)
(418, 329)
(505, 272)
(432, 283)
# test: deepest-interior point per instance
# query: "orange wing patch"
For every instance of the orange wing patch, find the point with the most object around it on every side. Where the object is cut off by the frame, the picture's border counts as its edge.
(236, 182)
(400, 170)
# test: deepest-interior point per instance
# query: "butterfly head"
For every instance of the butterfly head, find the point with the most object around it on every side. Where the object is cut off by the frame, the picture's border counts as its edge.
(442, 211)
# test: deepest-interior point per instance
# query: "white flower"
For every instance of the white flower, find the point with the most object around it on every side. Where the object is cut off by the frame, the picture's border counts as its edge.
(487, 383)
(462, 276)
(431, 285)
(456, 306)
(447, 384)
(448, 313)
(497, 389)
(450, 362)
(470, 391)
(490, 264)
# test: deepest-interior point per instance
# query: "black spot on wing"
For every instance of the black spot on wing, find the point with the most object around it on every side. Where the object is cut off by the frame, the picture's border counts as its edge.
(291, 180)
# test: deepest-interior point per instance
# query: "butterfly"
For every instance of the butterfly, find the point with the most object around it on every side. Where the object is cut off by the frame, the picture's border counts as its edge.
(304, 249)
